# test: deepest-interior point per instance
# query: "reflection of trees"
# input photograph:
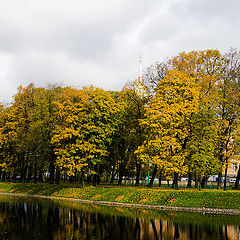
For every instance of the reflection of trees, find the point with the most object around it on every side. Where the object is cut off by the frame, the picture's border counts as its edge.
(226, 236)
(35, 221)
(190, 231)
(160, 229)
(176, 231)
(154, 229)
(137, 229)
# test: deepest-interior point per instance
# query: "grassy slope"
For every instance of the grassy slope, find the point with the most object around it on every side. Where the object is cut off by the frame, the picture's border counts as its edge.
(180, 198)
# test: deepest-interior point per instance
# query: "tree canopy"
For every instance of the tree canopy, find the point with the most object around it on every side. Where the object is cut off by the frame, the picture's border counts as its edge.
(185, 122)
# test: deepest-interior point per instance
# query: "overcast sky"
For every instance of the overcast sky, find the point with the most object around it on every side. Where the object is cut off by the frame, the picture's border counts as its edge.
(98, 42)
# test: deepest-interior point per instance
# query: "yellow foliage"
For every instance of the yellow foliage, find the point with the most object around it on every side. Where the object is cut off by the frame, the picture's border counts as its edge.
(168, 119)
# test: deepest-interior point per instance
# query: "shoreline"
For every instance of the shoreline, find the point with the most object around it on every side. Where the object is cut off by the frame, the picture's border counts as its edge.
(133, 205)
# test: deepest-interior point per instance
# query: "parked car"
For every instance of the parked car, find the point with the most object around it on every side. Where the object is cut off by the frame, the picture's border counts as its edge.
(232, 180)
(184, 179)
(150, 177)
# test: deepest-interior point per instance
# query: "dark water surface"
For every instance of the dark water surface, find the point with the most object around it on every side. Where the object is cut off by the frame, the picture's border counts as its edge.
(33, 218)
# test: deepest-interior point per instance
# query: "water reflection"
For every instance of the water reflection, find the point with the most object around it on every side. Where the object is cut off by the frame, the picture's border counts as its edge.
(45, 219)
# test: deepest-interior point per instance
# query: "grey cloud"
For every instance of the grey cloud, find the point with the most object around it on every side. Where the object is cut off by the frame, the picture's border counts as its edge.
(99, 42)
(74, 31)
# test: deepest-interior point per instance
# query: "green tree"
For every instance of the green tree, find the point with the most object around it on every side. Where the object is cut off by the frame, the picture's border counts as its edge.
(130, 133)
(228, 110)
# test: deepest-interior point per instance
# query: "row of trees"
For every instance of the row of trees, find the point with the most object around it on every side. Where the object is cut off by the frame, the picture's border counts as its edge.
(70, 133)
(184, 122)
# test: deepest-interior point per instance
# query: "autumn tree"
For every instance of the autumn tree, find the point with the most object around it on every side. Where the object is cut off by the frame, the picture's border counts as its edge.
(1, 139)
(168, 120)
(85, 130)
(206, 67)
(26, 132)
(16, 130)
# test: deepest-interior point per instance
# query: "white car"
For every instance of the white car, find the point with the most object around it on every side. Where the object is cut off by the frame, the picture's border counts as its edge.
(150, 177)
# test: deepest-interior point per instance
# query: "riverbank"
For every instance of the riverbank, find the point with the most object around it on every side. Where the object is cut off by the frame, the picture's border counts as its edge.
(214, 201)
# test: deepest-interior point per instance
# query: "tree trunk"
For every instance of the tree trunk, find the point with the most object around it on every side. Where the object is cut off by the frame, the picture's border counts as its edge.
(120, 178)
(75, 175)
(24, 174)
(189, 184)
(121, 173)
(175, 180)
(219, 180)
(100, 171)
(94, 183)
(138, 174)
(35, 169)
(106, 178)
(237, 179)
(22, 167)
(4, 176)
(82, 178)
(8, 176)
(14, 177)
(51, 171)
(160, 179)
(98, 179)
(52, 167)
(40, 175)
(29, 174)
(72, 179)
(113, 174)
(153, 176)
(89, 176)
(196, 182)
(203, 182)
(57, 175)
(225, 178)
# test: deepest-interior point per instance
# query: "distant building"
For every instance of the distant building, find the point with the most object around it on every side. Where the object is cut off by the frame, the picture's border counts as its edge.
(232, 169)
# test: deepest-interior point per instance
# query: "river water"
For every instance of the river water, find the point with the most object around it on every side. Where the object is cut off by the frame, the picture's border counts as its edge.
(33, 218)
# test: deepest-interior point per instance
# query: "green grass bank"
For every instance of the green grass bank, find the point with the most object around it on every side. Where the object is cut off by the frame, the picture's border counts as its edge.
(176, 198)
